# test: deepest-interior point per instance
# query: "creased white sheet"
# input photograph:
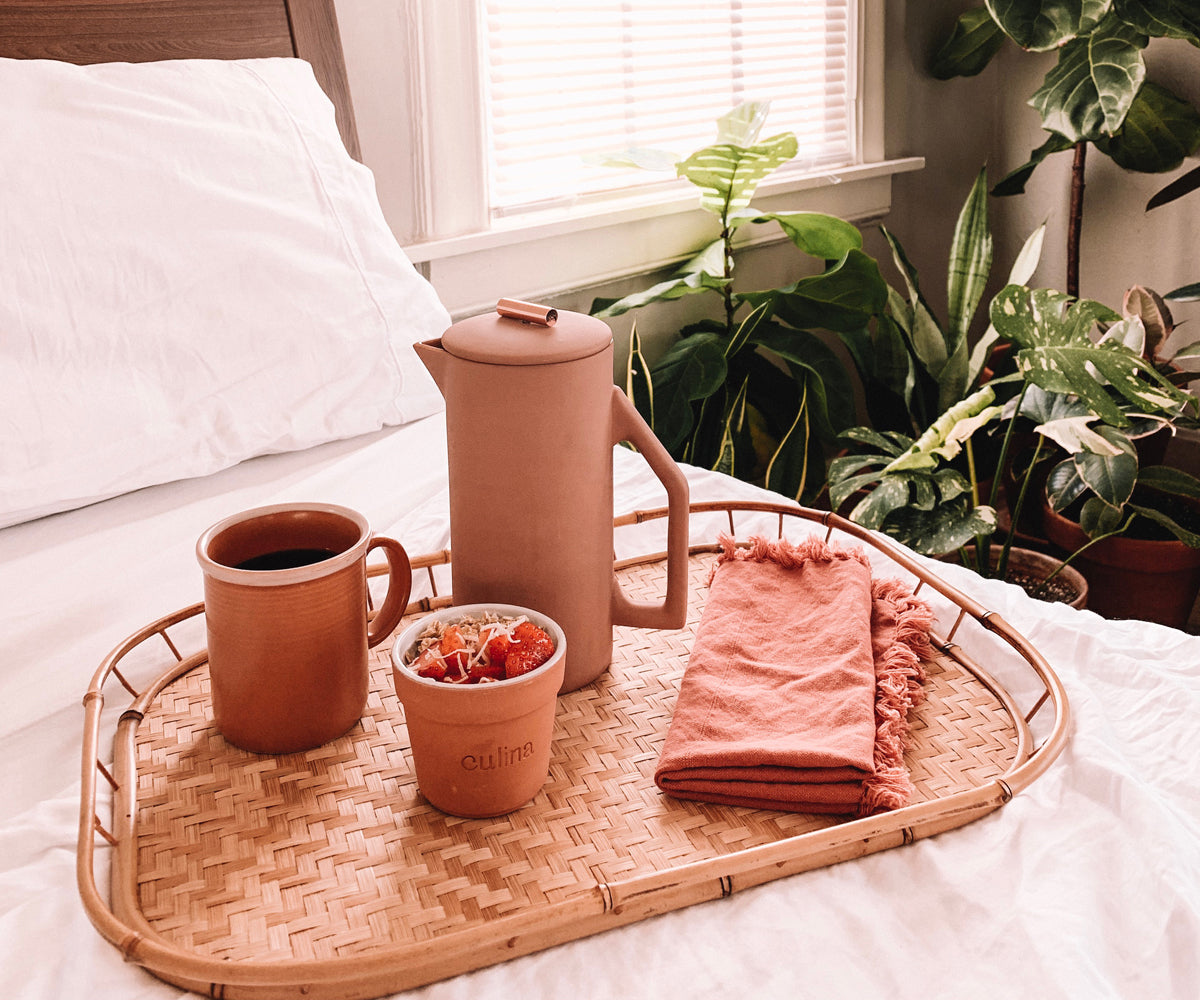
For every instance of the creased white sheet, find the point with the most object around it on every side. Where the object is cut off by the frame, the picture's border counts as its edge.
(1087, 885)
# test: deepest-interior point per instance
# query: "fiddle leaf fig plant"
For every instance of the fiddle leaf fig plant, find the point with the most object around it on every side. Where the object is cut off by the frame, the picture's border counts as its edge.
(752, 391)
(1097, 93)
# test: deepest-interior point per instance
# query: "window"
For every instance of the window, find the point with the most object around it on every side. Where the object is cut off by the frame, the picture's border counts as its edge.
(566, 83)
(512, 101)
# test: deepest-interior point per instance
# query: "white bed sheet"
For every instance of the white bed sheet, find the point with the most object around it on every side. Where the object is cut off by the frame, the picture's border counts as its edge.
(1086, 885)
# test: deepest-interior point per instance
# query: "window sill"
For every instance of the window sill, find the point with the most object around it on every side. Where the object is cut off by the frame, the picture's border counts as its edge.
(543, 256)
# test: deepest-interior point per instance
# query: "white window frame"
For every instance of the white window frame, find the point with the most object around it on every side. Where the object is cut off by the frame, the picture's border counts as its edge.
(472, 260)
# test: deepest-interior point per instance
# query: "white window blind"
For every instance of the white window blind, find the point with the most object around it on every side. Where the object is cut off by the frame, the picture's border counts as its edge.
(569, 80)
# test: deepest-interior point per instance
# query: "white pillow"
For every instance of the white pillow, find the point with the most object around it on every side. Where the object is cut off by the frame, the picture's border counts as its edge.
(193, 271)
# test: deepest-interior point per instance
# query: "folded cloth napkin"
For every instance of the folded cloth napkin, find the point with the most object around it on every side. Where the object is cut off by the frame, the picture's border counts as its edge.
(797, 693)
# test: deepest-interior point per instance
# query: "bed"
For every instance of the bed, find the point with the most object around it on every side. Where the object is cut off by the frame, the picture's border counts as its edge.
(120, 448)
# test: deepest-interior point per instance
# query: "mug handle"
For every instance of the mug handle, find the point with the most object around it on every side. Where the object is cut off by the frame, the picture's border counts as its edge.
(399, 587)
(628, 425)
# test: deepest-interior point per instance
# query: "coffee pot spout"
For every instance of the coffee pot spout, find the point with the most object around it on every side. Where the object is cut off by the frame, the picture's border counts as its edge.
(435, 358)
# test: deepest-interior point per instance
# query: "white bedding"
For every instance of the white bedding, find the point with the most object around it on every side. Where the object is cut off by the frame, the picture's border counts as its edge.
(1086, 885)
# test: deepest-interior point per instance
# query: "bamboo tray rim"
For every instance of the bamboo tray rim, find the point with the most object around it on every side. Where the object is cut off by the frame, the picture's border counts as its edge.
(607, 904)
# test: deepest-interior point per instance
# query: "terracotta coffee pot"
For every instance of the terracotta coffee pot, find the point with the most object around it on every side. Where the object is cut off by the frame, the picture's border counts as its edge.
(531, 419)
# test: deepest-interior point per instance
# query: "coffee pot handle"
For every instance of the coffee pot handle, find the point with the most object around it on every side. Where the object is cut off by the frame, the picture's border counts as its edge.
(628, 425)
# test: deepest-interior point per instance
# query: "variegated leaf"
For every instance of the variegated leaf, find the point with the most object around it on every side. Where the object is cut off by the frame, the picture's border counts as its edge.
(1073, 434)
(728, 175)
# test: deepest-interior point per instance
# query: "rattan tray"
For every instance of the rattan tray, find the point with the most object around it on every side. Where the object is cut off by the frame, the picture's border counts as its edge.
(325, 874)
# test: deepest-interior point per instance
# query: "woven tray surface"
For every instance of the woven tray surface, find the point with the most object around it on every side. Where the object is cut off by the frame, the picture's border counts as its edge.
(333, 852)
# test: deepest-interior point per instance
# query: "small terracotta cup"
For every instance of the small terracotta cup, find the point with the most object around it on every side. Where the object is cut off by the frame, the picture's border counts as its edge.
(480, 749)
(285, 602)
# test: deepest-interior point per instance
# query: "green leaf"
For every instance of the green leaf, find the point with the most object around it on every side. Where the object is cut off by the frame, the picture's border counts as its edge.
(945, 528)
(802, 349)
(945, 436)
(1039, 25)
(703, 273)
(927, 340)
(1189, 538)
(1023, 267)
(1158, 133)
(1098, 518)
(825, 237)
(1089, 91)
(890, 495)
(741, 125)
(1186, 293)
(1110, 477)
(1064, 485)
(693, 368)
(1168, 479)
(889, 443)
(795, 467)
(844, 297)
(728, 175)
(1072, 369)
(1043, 317)
(1015, 181)
(976, 38)
(1162, 18)
(970, 260)
(746, 329)
(734, 435)
(1186, 184)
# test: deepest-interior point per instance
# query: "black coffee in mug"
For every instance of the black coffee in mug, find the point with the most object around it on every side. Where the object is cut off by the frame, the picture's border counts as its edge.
(286, 559)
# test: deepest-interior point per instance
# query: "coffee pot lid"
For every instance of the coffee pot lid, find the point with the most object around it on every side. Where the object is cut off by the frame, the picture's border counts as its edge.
(523, 333)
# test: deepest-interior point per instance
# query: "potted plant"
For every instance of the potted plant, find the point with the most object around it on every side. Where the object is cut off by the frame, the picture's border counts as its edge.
(1132, 521)
(927, 492)
(1097, 94)
(753, 392)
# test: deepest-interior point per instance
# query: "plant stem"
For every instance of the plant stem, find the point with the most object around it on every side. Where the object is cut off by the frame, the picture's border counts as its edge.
(727, 290)
(1075, 221)
(1015, 515)
(994, 495)
(1079, 551)
(982, 549)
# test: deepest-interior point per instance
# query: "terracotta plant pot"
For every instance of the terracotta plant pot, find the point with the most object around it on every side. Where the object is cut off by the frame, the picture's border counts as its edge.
(1153, 581)
(480, 749)
(1028, 568)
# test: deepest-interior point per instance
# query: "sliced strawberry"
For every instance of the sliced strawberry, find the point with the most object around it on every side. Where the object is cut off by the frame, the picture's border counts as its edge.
(530, 648)
(497, 650)
(489, 671)
(429, 664)
(453, 648)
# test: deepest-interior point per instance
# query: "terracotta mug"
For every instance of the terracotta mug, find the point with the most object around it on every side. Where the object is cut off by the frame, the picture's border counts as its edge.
(285, 602)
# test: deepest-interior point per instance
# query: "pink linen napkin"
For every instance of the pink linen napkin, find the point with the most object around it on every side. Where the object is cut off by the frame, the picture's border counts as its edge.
(797, 693)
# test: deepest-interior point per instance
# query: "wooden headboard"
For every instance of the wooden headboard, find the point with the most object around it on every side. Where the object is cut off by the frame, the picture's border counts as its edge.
(90, 31)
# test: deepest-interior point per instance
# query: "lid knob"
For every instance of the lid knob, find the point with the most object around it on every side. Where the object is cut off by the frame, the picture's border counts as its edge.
(527, 312)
